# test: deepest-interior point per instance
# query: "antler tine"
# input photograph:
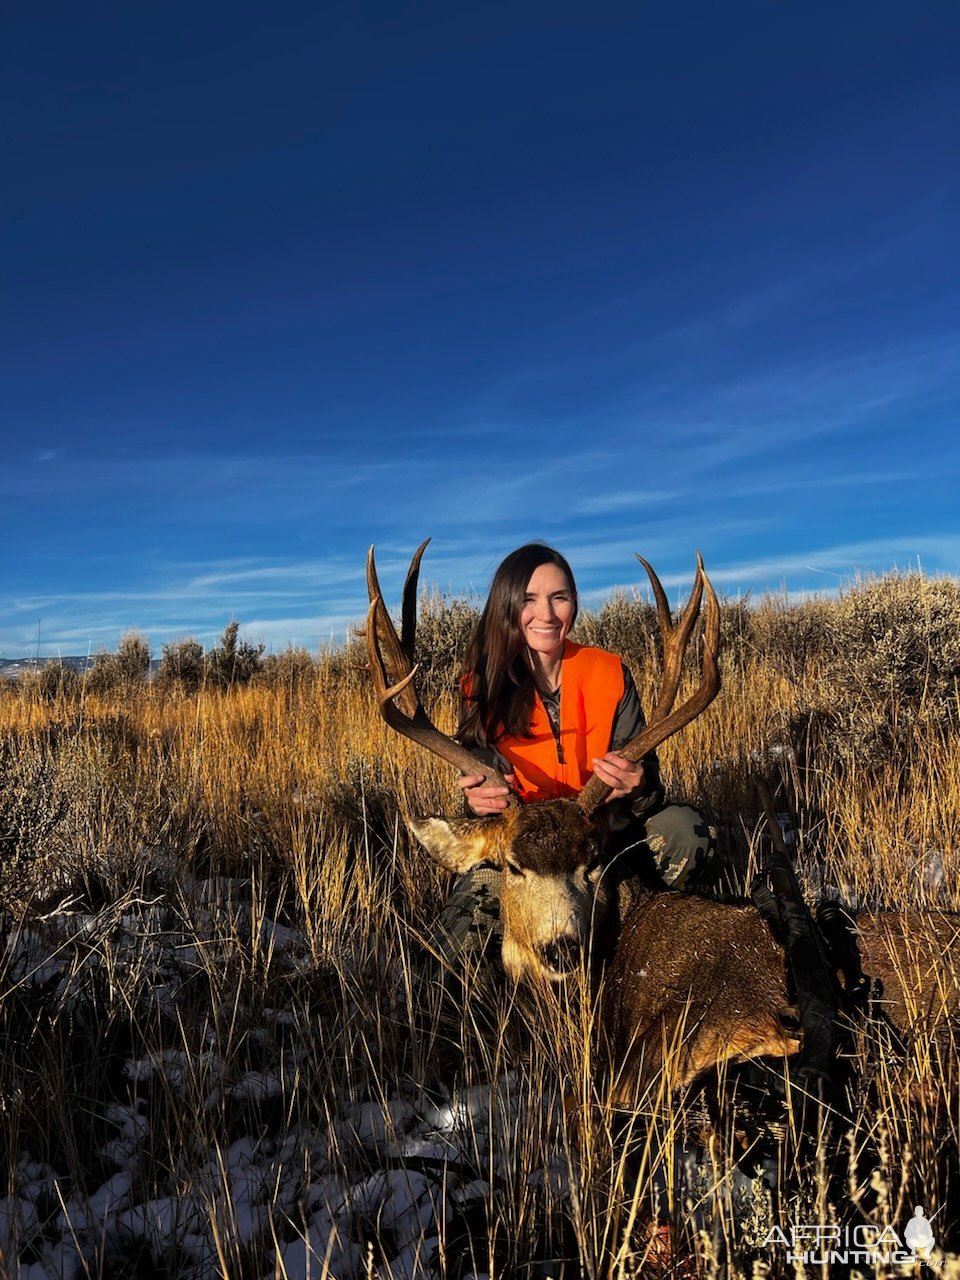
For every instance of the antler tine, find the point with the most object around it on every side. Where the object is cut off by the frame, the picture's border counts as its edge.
(394, 673)
(675, 638)
(389, 674)
(664, 721)
(408, 612)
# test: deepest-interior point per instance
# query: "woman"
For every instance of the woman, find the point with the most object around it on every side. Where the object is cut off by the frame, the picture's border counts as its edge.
(548, 713)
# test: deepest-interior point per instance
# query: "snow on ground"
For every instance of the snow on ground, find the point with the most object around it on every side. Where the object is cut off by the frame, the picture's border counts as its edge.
(373, 1188)
(366, 1193)
(263, 1182)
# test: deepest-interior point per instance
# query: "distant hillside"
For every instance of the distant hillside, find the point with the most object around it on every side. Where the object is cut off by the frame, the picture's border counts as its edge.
(10, 668)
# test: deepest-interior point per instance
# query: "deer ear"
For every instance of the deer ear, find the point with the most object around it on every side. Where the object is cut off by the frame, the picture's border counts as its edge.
(460, 844)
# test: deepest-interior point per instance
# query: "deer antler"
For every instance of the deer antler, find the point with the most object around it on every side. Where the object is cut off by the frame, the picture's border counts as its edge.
(664, 721)
(394, 671)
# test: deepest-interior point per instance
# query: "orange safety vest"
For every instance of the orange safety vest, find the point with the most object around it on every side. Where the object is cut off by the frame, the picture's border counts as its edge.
(590, 693)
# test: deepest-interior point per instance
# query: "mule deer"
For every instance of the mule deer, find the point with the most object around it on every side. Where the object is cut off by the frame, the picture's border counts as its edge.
(689, 983)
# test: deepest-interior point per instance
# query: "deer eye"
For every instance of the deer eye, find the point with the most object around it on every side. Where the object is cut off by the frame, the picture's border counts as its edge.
(515, 870)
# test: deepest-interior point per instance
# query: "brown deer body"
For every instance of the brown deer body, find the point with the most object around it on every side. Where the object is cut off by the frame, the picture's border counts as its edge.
(688, 983)
(694, 983)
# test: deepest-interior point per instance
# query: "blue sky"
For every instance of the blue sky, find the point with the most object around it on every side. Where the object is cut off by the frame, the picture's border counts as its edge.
(282, 281)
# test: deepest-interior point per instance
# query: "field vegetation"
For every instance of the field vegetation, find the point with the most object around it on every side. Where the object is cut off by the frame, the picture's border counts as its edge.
(224, 1049)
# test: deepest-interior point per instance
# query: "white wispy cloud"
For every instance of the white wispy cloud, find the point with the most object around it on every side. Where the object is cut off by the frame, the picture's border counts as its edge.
(82, 621)
(844, 561)
(297, 579)
(626, 500)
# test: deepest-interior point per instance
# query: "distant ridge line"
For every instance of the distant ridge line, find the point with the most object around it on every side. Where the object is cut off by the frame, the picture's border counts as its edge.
(81, 663)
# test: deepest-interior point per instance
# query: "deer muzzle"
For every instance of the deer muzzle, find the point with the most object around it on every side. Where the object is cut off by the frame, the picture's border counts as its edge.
(562, 955)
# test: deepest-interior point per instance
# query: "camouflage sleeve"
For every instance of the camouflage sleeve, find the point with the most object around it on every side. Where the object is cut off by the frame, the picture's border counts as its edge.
(627, 724)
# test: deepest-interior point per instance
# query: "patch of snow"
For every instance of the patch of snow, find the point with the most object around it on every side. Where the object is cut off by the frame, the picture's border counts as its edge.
(376, 1123)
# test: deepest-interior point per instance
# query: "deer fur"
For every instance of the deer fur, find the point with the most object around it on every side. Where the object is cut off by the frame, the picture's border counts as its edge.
(688, 983)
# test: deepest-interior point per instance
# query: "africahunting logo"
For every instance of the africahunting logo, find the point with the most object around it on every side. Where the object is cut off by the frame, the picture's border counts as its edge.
(829, 1244)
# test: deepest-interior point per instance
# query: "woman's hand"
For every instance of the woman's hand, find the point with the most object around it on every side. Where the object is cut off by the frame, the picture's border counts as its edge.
(481, 797)
(623, 777)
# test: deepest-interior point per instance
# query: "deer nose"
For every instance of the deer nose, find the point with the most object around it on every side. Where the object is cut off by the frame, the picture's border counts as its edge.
(562, 955)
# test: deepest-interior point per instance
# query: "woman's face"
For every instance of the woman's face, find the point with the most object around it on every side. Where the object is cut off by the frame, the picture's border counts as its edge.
(549, 609)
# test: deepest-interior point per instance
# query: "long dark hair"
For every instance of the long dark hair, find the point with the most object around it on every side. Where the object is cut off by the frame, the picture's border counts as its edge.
(498, 686)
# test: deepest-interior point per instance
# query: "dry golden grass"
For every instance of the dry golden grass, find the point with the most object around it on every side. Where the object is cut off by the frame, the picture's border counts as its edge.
(205, 818)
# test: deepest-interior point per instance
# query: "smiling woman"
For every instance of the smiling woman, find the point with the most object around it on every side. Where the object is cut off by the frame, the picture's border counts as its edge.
(516, 650)
(548, 714)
